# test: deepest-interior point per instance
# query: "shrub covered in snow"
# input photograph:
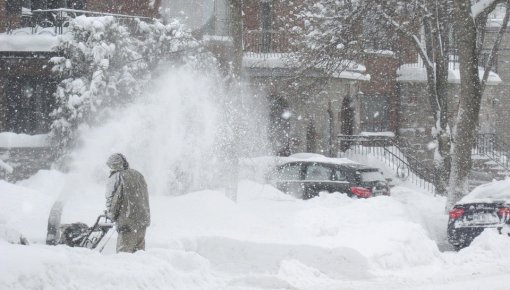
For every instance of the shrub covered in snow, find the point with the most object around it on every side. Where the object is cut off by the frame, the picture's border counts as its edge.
(104, 62)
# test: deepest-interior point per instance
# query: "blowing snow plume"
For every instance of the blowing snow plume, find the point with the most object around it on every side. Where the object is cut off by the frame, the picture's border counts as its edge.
(174, 134)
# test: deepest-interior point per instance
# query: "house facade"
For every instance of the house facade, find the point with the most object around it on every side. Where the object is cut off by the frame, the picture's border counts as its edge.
(28, 31)
(387, 96)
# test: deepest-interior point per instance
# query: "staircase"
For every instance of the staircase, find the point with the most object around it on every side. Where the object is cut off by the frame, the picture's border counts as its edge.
(490, 157)
(388, 151)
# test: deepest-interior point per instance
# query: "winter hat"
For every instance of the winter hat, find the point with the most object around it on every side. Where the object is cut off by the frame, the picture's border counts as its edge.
(117, 162)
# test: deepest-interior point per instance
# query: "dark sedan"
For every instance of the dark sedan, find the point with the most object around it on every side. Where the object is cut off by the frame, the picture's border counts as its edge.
(486, 207)
(306, 179)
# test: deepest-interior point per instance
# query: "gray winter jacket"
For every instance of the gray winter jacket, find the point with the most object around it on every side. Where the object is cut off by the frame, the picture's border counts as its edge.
(127, 199)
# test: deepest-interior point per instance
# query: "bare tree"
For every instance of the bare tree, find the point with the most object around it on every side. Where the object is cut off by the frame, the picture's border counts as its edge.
(470, 22)
(332, 38)
(429, 33)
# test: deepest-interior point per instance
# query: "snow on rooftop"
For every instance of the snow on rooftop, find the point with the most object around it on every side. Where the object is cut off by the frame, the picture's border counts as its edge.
(490, 192)
(314, 157)
(9, 140)
(27, 42)
(416, 72)
(381, 52)
(355, 71)
(379, 134)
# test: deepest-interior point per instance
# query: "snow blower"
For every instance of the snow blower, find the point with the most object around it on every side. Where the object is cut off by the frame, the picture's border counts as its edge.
(78, 234)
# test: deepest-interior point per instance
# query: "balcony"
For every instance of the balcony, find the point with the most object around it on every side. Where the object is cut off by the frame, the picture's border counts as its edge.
(266, 43)
(55, 21)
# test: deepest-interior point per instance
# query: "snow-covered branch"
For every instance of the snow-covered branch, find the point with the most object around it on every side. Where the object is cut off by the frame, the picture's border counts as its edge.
(105, 62)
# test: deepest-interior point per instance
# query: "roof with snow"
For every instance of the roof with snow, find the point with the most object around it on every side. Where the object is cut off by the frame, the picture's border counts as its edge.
(314, 157)
(27, 42)
(284, 64)
(416, 72)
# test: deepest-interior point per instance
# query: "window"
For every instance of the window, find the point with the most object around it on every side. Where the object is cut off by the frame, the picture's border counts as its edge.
(266, 25)
(318, 172)
(375, 113)
(338, 175)
(378, 36)
(370, 176)
(13, 7)
(26, 4)
(290, 172)
(76, 4)
(29, 104)
(279, 125)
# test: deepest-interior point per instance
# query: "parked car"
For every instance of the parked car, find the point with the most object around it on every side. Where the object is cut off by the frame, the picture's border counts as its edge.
(486, 207)
(307, 178)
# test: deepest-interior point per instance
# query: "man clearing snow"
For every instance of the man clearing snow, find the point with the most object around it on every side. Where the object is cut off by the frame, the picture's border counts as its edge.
(127, 203)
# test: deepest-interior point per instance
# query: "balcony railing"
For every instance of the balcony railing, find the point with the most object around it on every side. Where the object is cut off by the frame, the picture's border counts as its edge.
(264, 42)
(55, 21)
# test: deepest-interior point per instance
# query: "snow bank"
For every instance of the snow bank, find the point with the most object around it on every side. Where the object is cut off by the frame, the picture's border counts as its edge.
(268, 240)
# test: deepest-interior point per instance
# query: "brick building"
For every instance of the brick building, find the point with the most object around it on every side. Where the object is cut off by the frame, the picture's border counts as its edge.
(386, 95)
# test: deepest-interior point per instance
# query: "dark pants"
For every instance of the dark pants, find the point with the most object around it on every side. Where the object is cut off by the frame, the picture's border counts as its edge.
(130, 240)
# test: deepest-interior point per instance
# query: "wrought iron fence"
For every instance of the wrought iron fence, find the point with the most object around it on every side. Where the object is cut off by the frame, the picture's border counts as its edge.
(55, 21)
(266, 42)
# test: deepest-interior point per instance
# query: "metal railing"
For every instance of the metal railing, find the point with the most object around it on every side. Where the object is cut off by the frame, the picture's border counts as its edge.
(388, 151)
(266, 42)
(490, 146)
(54, 21)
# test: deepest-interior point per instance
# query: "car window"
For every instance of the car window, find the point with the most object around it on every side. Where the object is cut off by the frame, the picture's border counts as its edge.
(369, 176)
(339, 175)
(290, 172)
(318, 172)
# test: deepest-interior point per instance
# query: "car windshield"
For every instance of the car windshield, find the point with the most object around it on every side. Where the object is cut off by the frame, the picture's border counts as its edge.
(371, 176)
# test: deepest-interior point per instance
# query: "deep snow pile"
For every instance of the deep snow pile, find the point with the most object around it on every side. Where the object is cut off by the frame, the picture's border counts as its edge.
(202, 240)
(268, 240)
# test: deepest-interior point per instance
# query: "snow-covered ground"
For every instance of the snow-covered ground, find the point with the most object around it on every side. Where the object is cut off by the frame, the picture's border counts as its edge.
(203, 240)
(268, 240)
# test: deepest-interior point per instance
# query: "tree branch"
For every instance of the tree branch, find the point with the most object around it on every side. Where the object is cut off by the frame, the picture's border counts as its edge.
(495, 47)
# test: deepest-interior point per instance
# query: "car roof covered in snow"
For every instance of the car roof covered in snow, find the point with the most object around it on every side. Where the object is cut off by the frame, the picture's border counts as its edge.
(495, 191)
(313, 157)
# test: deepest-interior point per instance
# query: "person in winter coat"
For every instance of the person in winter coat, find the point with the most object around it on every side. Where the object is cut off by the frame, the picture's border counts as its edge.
(127, 204)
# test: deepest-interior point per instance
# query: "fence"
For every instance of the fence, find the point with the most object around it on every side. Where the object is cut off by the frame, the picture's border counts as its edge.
(55, 21)
(388, 151)
(491, 147)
